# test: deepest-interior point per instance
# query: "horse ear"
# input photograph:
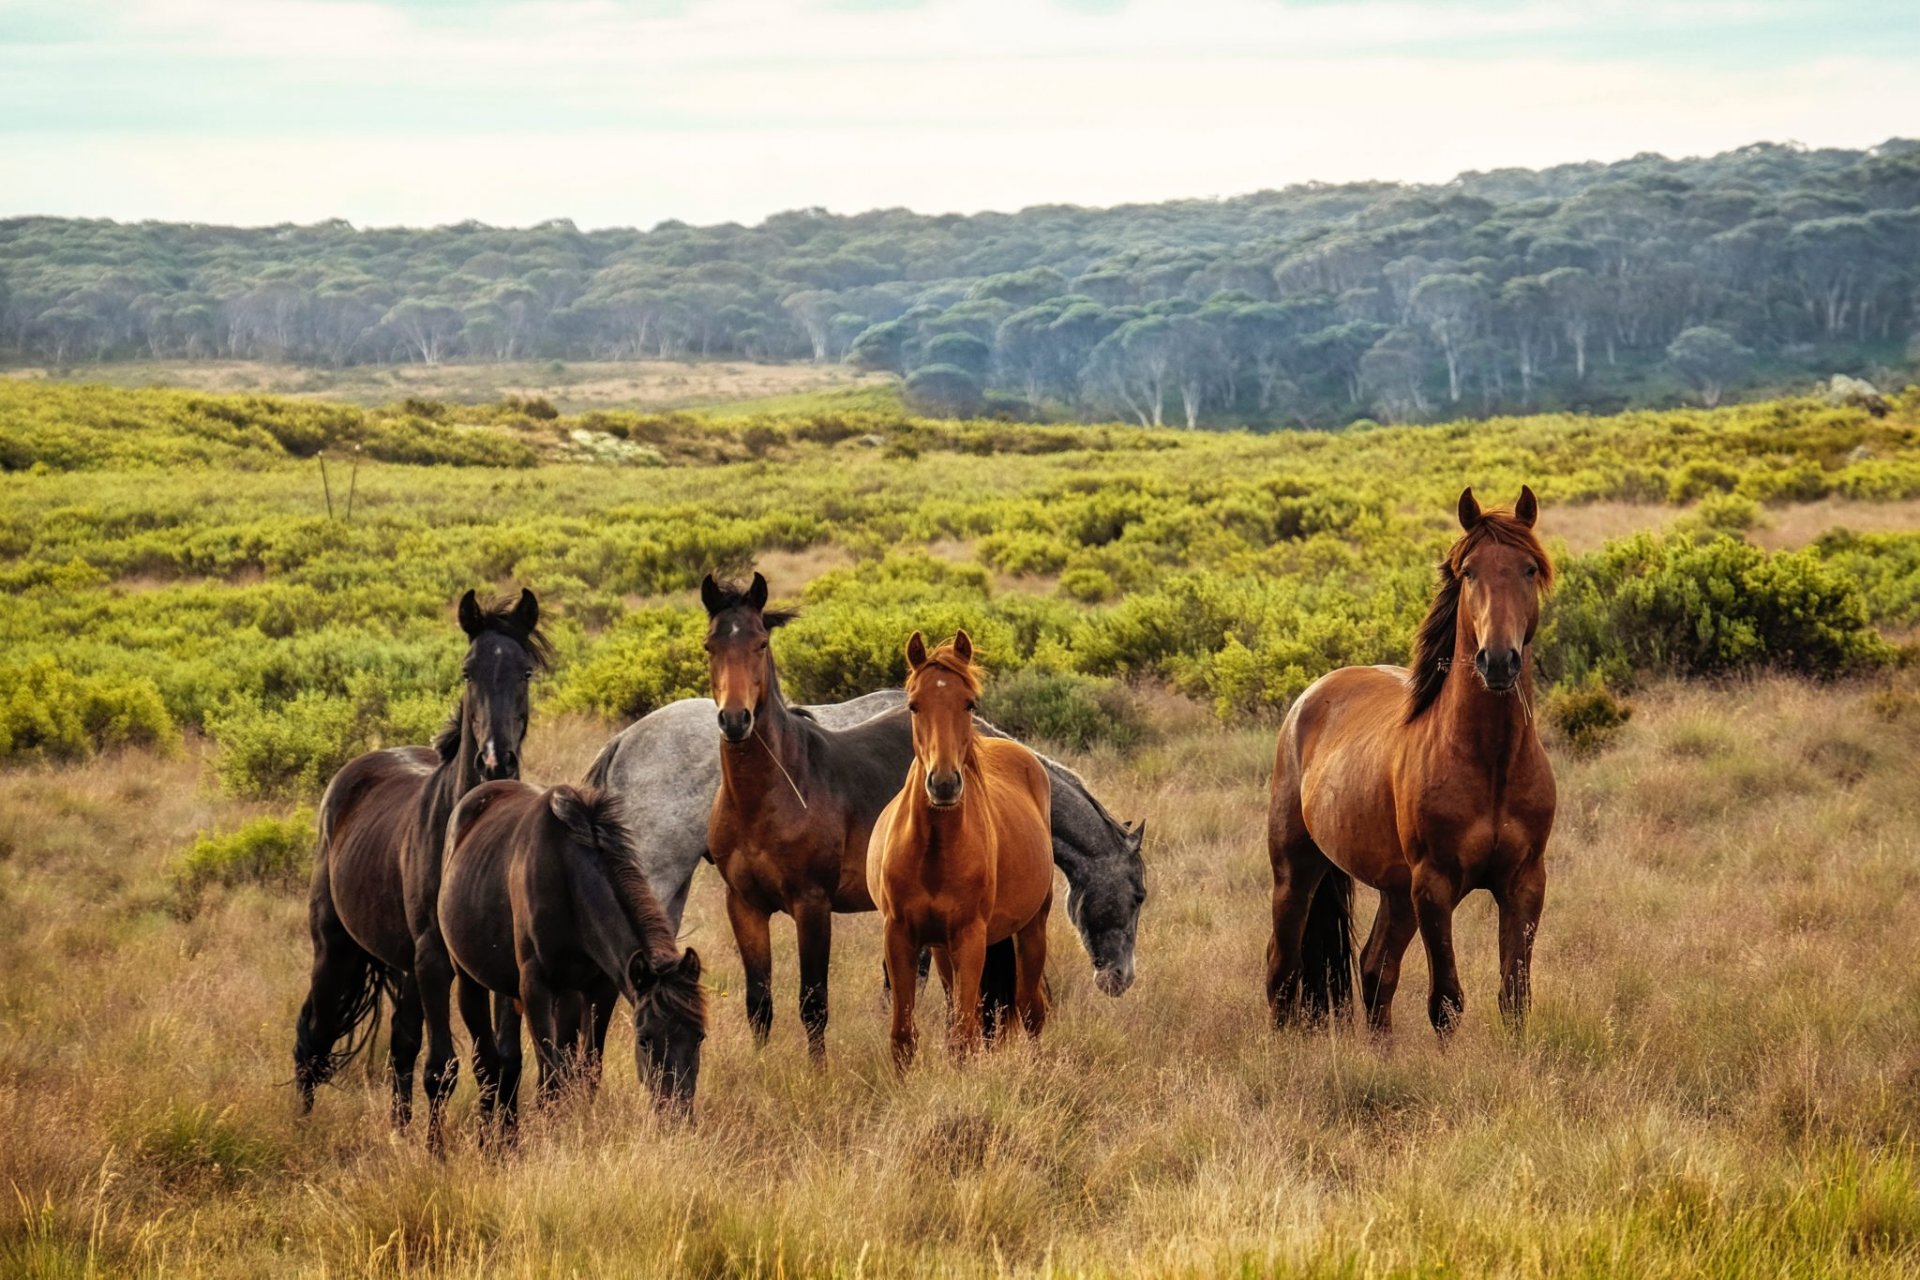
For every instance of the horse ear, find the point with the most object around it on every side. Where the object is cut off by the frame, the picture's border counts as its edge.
(1527, 510)
(757, 593)
(690, 965)
(963, 645)
(916, 651)
(641, 971)
(526, 614)
(1138, 832)
(470, 614)
(711, 595)
(1469, 509)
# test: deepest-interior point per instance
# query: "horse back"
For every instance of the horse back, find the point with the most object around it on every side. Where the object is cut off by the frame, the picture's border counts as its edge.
(367, 816)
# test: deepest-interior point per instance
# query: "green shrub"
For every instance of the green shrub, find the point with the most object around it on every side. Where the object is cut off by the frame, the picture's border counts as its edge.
(1088, 585)
(47, 712)
(1701, 478)
(275, 852)
(1065, 708)
(1679, 606)
(294, 748)
(1588, 715)
(649, 658)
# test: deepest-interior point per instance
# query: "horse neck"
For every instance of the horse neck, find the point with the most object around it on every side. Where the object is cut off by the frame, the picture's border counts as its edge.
(1494, 727)
(450, 780)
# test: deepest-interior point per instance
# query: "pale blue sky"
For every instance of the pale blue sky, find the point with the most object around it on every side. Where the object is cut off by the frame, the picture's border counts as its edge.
(611, 112)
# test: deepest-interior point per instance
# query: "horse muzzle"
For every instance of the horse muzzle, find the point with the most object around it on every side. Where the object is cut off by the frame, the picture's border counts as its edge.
(944, 789)
(1498, 669)
(736, 726)
(1114, 979)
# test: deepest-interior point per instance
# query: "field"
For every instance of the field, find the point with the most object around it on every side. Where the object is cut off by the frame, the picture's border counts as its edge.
(1720, 1079)
(573, 387)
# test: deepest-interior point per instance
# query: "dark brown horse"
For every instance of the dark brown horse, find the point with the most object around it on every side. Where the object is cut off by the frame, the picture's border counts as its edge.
(962, 857)
(545, 911)
(382, 823)
(796, 804)
(1426, 784)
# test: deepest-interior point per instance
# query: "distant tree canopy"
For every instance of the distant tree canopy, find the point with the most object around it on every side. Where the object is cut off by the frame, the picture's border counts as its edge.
(1586, 286)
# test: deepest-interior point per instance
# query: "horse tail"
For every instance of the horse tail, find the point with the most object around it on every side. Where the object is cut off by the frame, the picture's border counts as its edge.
(602, 767)
(343, 1003)
(597, 822)
(1326, 953)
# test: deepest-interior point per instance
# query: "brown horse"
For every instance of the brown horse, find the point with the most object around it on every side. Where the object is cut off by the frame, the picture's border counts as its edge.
(544, 908)
(382, 822)
(789, 826)
(1426, 784)
(962, 858)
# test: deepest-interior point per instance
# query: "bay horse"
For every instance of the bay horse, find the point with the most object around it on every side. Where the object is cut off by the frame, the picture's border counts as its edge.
(382, 822)
(788, 827)
(545, 912)
(1426, 784)
(962, 857)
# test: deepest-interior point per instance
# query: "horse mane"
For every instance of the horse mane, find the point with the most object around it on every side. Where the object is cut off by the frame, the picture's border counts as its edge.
(731, 595)
(1433, 642)
(597, 820)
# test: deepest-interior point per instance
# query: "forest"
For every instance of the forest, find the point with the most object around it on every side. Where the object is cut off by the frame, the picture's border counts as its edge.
(1590, 287)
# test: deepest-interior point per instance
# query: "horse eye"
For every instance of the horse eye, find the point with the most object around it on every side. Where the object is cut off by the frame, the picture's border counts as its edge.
(1532, 569)
(971, 704)
(913, 708)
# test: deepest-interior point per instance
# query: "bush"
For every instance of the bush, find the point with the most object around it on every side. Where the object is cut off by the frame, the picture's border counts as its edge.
(1588, 716)
(1677, 606)
(47, 712)
(1088, 585)
(1061, 707)
(275, 852)
(649, 658)
(295, 748)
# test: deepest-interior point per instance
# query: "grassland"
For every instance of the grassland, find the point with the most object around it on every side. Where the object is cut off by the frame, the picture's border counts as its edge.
(1721, 1078)
(649, 385)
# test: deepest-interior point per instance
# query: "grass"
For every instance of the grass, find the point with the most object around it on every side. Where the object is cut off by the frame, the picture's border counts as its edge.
(1721, 1078)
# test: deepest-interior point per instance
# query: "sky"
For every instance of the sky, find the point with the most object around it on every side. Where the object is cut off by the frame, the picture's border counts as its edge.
(630, 112)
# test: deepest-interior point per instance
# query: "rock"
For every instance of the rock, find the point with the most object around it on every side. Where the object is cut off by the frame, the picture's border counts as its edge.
(1856, 393)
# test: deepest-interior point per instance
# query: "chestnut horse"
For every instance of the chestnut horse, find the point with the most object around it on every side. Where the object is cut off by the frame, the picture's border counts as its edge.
(382, 822)
(544, 909)
(789, 825)
(1425, 784)
(962, 858)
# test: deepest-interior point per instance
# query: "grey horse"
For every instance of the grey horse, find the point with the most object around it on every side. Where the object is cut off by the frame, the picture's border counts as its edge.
(666, 766)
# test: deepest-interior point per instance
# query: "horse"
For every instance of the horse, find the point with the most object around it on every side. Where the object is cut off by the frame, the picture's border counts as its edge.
(789, 824)
(960, 858)
(1426, 784)
(545, 912)
(666, 767)
(381, 825)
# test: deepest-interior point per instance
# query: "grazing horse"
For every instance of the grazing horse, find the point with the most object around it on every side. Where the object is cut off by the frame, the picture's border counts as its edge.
(1425, 784)
(666, 767)
(788, 827)
(382, 823)
(545, 911)
(962, 856)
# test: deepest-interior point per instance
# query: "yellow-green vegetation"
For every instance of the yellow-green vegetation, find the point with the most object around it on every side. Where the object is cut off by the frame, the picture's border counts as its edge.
(1719, 1079)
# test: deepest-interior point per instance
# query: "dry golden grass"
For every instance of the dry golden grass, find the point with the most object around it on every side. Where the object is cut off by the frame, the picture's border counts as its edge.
(573, 388)
(1721, 1078)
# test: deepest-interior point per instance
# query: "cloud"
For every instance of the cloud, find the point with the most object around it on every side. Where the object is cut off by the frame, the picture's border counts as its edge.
(717, 109)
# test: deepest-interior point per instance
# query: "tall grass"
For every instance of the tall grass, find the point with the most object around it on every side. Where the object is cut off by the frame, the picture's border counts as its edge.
(1720, 1078)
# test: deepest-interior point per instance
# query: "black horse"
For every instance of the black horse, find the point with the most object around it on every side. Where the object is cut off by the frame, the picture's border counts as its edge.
(546, 913)
(376, 874)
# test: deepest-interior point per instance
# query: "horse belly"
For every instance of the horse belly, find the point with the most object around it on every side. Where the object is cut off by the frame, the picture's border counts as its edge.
(363, 874)
(1346, 801)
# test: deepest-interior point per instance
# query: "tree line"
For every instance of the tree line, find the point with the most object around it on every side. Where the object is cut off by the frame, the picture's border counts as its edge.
(1584, 285)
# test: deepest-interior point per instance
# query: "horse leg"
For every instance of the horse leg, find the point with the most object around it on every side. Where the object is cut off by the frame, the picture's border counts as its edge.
(404, 1049)
(1393, 928)
(473, 1001)
(506, 1041)
(593, 1035)
(1434, 897)
(542, 1009)
(901, 958)
(337, 998)
(967, 949)
(813, 922)
(433, 978)
(1029, 999)
(1521, 899)
(999, 983)
(1294, 880)
(755, 941)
